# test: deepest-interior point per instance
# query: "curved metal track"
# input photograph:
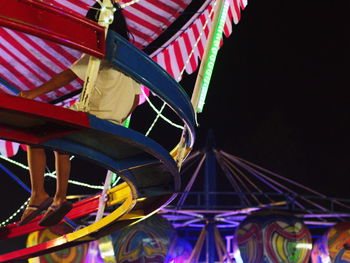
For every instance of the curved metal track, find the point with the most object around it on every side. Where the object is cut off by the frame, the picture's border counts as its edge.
(150, 173)
(147, 168)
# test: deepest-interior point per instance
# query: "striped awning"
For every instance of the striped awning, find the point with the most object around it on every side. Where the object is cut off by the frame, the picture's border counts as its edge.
(185, 49)
(27, 61)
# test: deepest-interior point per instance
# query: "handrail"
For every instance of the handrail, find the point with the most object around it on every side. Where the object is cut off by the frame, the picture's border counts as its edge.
(135, 63)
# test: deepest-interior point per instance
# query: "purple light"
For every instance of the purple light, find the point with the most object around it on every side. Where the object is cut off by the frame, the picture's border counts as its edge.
(179, 252)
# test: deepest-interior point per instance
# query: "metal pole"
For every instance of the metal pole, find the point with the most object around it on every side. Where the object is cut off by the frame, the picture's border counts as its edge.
(210, 198)
(196, 92)
(219, 6)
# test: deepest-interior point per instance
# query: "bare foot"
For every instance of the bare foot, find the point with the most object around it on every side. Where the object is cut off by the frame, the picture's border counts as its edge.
(35, 203)
(58, 201)
(55, 213)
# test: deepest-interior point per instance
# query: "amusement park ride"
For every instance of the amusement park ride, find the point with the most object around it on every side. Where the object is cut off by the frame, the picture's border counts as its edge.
(150, 173)
(56, 30)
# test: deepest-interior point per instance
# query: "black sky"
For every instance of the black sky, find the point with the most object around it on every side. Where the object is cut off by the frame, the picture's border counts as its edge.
(279, 95)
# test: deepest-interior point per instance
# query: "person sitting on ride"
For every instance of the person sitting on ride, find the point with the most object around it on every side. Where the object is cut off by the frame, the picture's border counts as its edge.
(113, 98)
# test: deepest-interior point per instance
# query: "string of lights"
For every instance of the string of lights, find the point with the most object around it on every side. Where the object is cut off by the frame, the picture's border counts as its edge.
(52, 174)
(159, 113)
(9, 219)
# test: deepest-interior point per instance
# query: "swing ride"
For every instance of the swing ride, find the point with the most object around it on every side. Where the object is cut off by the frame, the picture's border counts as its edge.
(150, 173)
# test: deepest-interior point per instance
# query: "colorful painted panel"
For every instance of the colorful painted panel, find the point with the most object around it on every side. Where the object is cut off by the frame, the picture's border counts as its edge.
(319, 252)
(72, 255)
(147, 241)
(273, 237)
(248, 240)
(179, 252)
(334, 245)
(339, 243)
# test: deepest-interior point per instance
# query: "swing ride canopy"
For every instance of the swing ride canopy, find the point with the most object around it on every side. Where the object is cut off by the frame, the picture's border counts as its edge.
(133, 156)
(27, 61)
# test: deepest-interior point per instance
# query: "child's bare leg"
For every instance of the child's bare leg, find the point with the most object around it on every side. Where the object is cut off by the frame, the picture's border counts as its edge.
(36, 162)
(63, 171)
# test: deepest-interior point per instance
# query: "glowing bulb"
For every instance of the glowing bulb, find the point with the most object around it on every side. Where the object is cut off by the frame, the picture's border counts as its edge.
(304, 245)
(209, 67)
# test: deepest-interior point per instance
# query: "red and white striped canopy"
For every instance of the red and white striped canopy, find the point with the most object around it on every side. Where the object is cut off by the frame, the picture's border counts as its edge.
(27, 61)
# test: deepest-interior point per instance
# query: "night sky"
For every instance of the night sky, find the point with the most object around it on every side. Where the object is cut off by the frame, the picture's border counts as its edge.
(279, 96)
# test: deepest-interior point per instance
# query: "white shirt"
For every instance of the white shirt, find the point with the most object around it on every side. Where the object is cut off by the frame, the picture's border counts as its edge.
(113, 95)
